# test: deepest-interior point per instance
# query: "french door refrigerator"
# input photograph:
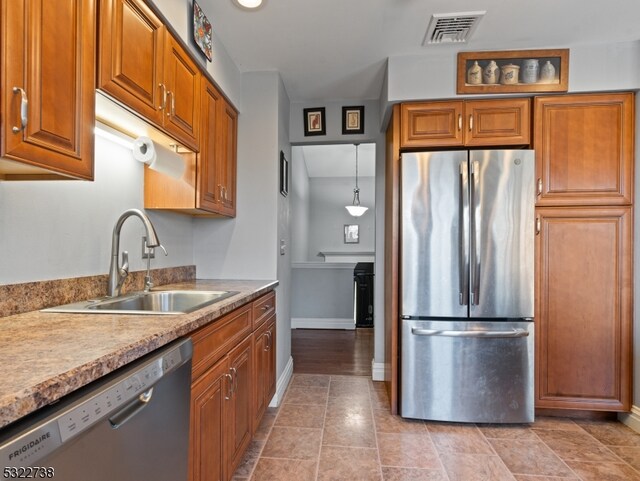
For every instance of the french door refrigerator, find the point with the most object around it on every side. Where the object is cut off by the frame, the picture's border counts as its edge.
(467, 295)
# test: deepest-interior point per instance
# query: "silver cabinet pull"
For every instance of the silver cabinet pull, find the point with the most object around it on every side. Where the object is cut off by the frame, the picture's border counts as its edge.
(484, 334)
(267, 343)
(459, 121)
(169, 96)
(230, 385)
(173, 104)
(470, 123)
(163, 96)
(234, 377)
(538, 225)
(24, 104)
(539, 186)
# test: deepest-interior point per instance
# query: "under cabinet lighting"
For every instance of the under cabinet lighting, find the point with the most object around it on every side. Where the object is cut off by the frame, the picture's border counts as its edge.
(113, 135)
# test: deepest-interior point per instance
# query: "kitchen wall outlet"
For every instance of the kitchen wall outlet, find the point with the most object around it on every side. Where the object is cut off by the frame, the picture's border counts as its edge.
(282, 247)
(146, 252)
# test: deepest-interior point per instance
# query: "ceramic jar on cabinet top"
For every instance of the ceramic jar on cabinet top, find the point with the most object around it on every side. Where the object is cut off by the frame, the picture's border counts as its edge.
(474, 74)
(491, 73)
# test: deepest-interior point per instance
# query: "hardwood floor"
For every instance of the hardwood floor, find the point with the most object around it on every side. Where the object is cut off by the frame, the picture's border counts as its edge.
(329, 351)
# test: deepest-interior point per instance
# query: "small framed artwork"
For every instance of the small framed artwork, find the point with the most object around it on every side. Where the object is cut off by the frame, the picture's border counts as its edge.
(284, 175)
(351, 234)
(202, 31)
(314, 122)
(353, 120)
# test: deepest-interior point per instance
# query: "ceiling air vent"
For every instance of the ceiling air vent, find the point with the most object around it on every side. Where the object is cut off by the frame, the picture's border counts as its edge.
(452, 27)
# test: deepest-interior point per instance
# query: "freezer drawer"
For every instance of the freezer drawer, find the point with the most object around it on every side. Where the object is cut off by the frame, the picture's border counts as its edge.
(467, 371)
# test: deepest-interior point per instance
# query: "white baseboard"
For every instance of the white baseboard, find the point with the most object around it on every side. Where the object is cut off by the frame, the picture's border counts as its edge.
(281, 386)
(321, 323)
(377, 370)
(631, 419)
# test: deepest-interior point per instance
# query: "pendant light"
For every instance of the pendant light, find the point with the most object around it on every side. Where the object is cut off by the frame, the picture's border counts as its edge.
(249, 4)
(355, 209)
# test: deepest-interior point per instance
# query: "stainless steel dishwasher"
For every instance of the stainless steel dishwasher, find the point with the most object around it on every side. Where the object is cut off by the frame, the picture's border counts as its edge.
(130, 425)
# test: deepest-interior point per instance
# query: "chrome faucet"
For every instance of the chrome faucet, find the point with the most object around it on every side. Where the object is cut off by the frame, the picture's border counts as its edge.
(118, 274)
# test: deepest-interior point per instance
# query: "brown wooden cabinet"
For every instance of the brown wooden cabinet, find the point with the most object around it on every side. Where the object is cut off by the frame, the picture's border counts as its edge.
(224, 412)
(584, 308)
(47, 99)
(264, 371)
(584, 149)
(497, 122)
(157, 80)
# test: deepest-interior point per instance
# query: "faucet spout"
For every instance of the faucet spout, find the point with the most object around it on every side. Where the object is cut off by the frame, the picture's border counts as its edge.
(117, 274)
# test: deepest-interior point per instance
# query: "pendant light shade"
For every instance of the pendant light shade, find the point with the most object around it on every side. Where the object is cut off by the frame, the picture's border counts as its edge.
(355, 209)
(250, 4)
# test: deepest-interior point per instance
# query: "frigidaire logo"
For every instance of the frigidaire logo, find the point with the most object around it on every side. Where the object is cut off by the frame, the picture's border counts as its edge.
(30, 445)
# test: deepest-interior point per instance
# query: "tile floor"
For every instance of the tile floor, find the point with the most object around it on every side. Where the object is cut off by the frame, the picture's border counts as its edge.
(339, 428)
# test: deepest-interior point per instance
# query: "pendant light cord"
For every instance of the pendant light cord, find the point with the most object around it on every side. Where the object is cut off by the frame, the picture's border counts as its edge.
(356, 191)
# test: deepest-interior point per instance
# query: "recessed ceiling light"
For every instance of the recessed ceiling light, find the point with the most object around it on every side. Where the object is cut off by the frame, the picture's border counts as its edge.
(248, 4)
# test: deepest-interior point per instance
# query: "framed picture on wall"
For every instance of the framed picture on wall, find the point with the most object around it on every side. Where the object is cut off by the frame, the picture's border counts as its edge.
(202, 31)
(314, 121)
(284, 175)
(351, 233)
(353, 120)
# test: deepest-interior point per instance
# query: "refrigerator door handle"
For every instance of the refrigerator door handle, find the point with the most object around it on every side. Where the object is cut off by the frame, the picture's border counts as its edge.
(463, 236)
(483, 334)
(475, 229)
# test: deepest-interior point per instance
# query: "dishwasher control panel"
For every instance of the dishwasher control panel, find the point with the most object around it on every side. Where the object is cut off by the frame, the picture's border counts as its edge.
(122, 392)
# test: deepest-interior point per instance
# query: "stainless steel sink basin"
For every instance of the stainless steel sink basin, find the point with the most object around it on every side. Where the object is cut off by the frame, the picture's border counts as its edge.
(153, 302)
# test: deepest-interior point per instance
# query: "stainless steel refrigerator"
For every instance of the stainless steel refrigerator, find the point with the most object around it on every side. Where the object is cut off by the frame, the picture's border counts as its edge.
(467, 263)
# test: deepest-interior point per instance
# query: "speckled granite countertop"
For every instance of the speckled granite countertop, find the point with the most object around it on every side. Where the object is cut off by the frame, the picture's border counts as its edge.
(44, 356)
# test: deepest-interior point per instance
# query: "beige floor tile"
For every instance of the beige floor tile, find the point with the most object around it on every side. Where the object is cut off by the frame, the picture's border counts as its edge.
(349, 390)
(265, 426)
(604, 471)
(390, 423)
(301, 415)
(629, 454)
(293, 443)
(458, 438)
(508, 431)
(412, 474)
(314, 380)
(352, 464)
(526, 477)
(379, 399)
(577, 446)
(346, 404)
(407, 450)
(306, 395)
(475, 467)
(249, 459)
(284, 470)
(361, 436)
(359, 380)
(557, 424)
(611, 433)
(530, 457)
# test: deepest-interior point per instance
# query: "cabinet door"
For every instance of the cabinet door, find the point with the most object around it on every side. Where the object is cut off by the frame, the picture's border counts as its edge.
(239, 417)
(584, 149)
(210, 395)
(182, 80)
(497, 122)
(584, 308)
(209, 187)
(270, 389)
(48, 84)
(260, 359)
(228, 157)
(133, 76)
(431, 124)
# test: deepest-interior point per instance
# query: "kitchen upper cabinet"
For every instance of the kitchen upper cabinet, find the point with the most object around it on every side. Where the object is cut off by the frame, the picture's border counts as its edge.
(47, 99)
(584, 149)
(470, 123)
(584, 308)
(157, 79)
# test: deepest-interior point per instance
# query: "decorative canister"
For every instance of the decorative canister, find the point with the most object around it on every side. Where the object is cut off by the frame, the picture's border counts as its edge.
(474, 74)
(548, 73)
(509, 74)
(491, 73)
(530, 70)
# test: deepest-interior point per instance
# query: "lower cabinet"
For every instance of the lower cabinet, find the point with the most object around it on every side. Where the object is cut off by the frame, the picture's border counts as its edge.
(584, 308)
(230, 360)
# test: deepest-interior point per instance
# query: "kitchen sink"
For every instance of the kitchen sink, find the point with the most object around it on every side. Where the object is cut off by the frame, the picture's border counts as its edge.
(152, 302)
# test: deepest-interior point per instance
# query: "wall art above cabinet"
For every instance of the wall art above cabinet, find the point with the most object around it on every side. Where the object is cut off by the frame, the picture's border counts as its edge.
(48, 89)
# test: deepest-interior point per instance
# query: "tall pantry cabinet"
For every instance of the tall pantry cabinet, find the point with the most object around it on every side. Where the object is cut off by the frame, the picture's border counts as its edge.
(584, 251)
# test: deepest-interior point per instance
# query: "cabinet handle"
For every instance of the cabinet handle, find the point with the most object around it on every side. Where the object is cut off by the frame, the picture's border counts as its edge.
(267, 342)
(163, 95)
(230, 386)
(470, 122)
(24, 104)
(266, 307)
(539, 186)
(459, 121)
(234, 377)
(538, 225)
(173, 104)
(169, 95)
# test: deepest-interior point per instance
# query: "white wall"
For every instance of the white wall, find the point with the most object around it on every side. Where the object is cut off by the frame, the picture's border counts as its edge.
(327, 199)
(61, 229)
(300, 204)
(323, 293)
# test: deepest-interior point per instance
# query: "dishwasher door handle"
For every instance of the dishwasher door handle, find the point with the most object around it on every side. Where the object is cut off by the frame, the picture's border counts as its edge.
(129, 411)
(483, 334)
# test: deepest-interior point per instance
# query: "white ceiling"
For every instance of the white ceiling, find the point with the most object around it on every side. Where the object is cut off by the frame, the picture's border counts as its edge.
(337, 49)
(339, 160)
